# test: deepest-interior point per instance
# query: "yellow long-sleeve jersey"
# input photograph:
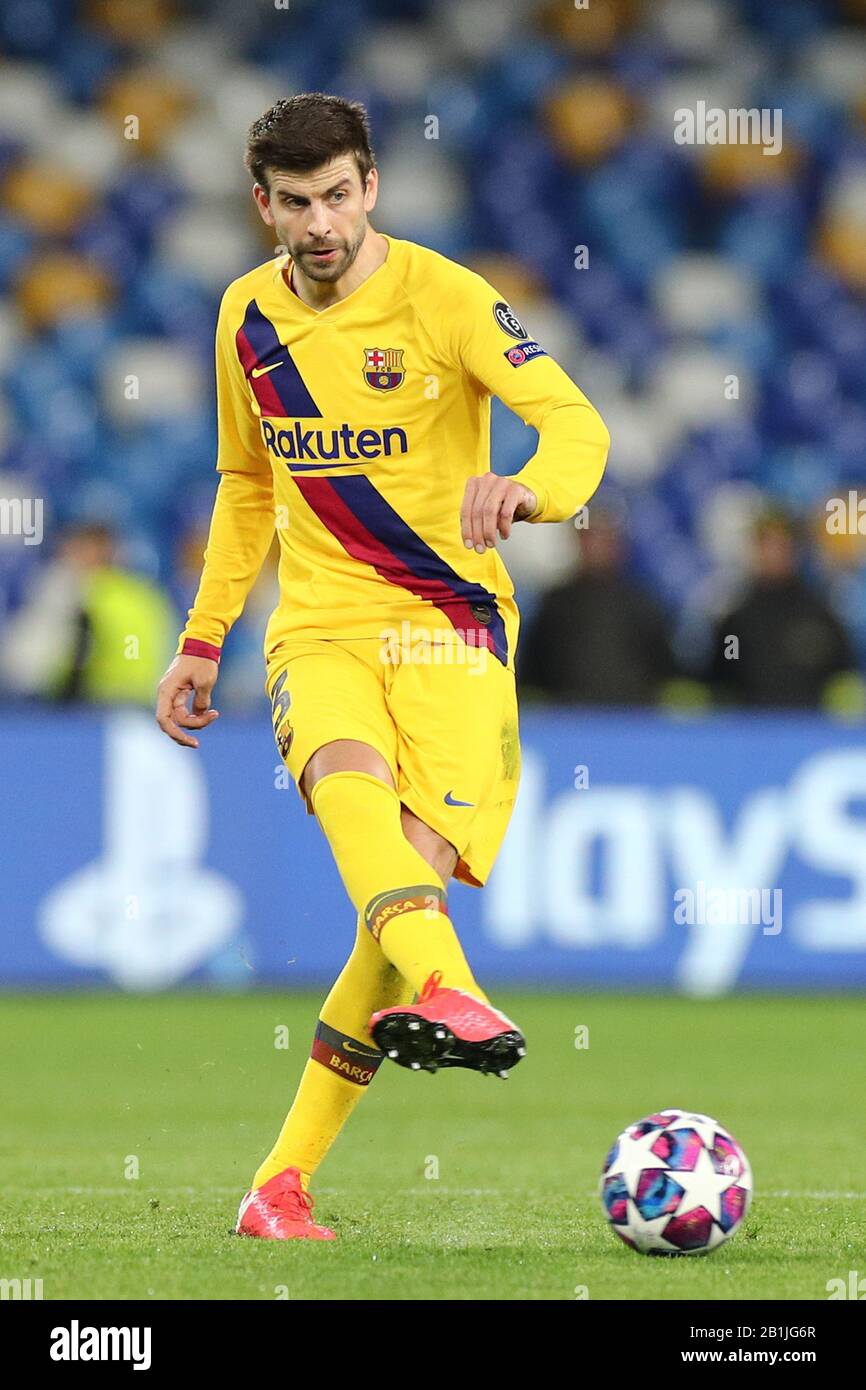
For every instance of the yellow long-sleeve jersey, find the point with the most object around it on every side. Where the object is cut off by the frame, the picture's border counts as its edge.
(353, 430)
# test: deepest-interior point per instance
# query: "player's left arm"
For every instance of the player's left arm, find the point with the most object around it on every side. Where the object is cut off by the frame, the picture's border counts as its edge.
(573, 441)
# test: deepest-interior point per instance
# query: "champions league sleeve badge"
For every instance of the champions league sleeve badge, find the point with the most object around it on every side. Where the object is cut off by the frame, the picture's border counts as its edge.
(508, 320)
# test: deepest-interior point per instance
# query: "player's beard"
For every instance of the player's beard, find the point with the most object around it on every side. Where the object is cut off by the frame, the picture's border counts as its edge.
(331, 270)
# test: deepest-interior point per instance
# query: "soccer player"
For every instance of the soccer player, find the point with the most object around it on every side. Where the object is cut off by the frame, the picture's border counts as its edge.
(354, 377)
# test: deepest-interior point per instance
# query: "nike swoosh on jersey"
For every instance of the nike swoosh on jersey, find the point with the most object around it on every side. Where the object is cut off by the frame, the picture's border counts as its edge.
(449, 801)
(256, 341)
(347, 1047)
(263, 371)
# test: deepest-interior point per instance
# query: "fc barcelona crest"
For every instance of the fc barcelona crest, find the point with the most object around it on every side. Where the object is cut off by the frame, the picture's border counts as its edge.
(383, 368)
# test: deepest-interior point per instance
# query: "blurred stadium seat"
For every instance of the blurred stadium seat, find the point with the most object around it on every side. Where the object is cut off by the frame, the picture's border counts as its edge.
(119, 231)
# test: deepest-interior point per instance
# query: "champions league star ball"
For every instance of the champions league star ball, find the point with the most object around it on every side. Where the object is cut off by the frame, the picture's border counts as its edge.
(675, 1184)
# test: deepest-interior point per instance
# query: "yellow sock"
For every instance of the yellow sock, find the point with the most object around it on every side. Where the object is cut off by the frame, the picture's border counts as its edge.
(399, 895)
(343, 1062)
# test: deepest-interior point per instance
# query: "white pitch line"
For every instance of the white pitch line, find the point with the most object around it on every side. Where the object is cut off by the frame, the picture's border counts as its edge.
(154, 1189)
(758, 1194)
(433, 1185)
(144, 1190)
(818, 1196)
(812, 1196)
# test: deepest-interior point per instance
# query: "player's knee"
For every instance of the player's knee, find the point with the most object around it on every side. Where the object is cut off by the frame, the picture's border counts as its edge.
(344, 755)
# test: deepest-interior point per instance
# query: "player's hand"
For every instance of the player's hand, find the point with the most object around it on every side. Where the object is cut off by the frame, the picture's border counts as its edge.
(490, 505)
(187, 675)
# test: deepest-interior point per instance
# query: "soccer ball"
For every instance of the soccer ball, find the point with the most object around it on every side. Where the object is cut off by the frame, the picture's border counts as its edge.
(675, 1184)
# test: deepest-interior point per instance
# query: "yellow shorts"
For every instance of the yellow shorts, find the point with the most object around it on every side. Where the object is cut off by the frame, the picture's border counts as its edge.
(443, 717)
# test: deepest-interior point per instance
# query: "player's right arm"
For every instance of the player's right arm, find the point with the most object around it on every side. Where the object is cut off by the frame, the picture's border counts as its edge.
(241, 532)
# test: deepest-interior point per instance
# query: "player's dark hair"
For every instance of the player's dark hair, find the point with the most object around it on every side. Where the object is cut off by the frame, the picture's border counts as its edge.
(301, 133)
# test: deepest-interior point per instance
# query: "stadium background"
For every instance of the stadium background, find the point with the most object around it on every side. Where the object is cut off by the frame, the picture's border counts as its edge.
(168, 921)
(509, 135)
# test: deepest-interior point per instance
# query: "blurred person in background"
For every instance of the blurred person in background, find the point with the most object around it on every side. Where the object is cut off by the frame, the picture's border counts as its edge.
(791, 651)
(745, 266)
(839, 557)
(598, 637)
(89, 629)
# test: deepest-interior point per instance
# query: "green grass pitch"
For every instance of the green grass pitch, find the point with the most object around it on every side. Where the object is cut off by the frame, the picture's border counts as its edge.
(452, 1186)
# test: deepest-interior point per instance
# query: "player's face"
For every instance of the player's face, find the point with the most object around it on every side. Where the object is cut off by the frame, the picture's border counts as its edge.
(320, 218)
